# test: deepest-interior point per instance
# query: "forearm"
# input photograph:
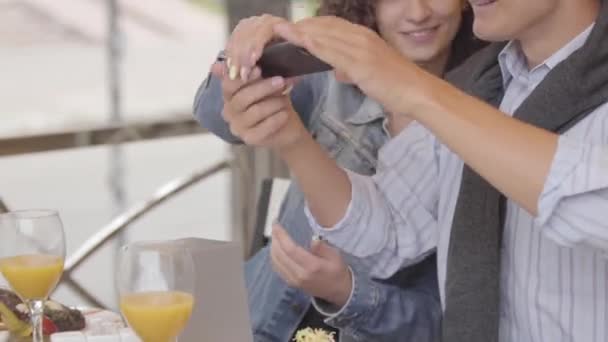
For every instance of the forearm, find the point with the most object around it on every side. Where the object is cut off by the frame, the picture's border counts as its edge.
(513, 156)
(325, 185)
(391, 219)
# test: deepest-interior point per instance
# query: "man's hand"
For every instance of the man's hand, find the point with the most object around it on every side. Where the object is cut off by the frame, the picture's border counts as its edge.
(320, 272)
(359, 56)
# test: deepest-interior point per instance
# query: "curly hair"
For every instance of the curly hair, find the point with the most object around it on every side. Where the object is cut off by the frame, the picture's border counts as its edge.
(363, 12)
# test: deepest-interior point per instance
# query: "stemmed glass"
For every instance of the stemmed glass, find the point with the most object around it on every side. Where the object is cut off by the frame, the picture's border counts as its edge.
(32, 252)
(156, 286)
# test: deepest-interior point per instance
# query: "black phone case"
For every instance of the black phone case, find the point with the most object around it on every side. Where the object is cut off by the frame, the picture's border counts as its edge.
(288, 60)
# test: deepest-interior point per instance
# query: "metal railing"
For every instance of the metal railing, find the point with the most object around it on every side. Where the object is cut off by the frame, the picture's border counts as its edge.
(123, 221)
(107, 135)
(181, 124)
(246, 168)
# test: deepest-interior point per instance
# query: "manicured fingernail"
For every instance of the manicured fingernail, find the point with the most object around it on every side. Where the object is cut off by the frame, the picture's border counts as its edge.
(256, 73)
(287, 90)
(229, 62)
(234, 73)
(254, 58)
(277, 81)
(244, 74)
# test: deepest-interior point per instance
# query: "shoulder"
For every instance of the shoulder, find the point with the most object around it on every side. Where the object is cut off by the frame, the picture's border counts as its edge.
(475, 66)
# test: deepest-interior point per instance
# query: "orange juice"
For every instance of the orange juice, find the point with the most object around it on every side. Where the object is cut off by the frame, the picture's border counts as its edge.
(32, 276)
(157, 316)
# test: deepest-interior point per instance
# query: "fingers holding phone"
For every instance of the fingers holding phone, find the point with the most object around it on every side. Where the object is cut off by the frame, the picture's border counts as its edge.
(270, 122)
(246, 43)
(259, 111)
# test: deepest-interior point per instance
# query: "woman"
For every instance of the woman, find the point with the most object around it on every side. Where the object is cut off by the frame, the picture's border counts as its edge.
(434, 34)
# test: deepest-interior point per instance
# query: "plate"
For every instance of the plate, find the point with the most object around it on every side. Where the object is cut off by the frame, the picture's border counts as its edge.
(97, 321)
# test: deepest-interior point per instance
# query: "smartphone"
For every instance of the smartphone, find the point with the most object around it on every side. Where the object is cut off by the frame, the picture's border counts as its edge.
(288, 60)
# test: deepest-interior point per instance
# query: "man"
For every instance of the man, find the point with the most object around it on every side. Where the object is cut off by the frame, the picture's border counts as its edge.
(541, 254)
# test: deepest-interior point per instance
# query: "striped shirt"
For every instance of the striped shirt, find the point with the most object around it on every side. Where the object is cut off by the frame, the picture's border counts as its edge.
(554, 276)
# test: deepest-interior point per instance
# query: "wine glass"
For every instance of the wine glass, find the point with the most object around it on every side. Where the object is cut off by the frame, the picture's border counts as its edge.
(32, 251)
(156, 286)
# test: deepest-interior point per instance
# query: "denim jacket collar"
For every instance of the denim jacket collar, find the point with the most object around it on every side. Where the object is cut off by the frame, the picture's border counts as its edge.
(369, 111)
(347, 103)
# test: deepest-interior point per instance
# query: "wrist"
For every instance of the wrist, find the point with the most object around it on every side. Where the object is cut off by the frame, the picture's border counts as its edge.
(342, 292)
(296, 146)
(418, 98)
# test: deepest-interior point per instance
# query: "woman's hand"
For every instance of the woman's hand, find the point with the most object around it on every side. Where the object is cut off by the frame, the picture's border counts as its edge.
(259, 111)
(359, 56)
(247, 42)
(320, 272)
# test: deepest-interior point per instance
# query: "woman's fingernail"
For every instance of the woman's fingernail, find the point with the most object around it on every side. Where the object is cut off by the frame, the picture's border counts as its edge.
(229, 62)
(233, 73)
(244, 74)
(277, 81)
(287, 90)
(254, 58)
(256, 73)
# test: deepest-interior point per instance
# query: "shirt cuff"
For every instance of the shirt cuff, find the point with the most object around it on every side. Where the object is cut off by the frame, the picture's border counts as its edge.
(330, 310)
(364, 297)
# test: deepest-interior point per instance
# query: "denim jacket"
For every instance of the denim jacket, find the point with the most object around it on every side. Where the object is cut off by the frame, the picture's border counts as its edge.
(350, 127)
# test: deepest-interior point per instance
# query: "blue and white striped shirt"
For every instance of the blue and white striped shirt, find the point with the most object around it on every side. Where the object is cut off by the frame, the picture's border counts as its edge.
(554, 281)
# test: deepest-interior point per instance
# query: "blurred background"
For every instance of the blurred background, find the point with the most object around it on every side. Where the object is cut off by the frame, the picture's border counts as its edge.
(96, 122)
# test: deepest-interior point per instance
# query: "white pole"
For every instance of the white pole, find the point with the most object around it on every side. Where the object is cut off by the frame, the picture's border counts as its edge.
(116, 160)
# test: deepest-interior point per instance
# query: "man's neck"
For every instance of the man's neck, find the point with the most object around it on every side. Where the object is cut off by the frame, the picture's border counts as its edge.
(542, 40)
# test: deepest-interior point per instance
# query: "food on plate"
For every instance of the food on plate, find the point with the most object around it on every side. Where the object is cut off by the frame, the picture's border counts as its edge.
(57, 317)
(313, 335)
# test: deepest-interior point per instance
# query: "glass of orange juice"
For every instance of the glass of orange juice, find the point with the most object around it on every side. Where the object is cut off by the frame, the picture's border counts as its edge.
(32, 250)
(156, 286)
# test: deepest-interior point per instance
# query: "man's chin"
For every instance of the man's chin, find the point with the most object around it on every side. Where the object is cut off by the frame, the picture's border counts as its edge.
(490, 33)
